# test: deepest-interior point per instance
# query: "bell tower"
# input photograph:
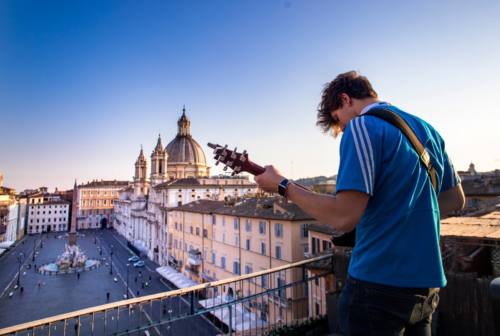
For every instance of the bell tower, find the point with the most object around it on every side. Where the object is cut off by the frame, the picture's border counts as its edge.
(140, 181)
(158, 164)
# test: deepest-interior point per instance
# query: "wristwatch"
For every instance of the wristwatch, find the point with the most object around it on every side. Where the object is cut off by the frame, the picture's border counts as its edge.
(283, 187)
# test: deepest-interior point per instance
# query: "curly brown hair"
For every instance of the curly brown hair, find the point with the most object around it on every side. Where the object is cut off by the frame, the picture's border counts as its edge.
(350, 83)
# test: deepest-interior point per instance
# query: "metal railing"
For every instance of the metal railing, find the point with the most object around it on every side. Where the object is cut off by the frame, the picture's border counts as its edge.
(251, 304)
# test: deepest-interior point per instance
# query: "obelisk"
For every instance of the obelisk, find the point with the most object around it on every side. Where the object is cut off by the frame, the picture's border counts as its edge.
(74, 210)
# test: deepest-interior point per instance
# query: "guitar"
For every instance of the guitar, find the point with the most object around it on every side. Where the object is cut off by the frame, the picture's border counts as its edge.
(239, 162)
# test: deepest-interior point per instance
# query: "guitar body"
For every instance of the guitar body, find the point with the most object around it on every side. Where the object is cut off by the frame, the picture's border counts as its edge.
(239, 162)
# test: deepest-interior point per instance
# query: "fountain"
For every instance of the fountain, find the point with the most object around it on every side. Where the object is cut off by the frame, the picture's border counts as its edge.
(72, 259)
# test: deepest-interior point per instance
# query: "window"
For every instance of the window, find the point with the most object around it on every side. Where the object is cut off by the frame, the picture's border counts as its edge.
(262, 227)
(205, 233)
(315, 245)
(304, 231)
(223, 262)
(247, 245)
(248, 269)
(263, 248)
(278, 252)
(236, 268)
(191, 230)
(223, 237)
(326, 245)
(248, 225)
(281, 292)
(278, 230)
(213, 220)
(236, 223)
(263, 281)
(197, 231)
(213, 257)
(236, 241)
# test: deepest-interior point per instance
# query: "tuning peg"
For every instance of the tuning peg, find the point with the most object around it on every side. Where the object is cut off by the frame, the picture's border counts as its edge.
(225, 168)
(233, 173)
(233, 155)
(244, 156)
(217, 162)
(237, 169)
(230, 163)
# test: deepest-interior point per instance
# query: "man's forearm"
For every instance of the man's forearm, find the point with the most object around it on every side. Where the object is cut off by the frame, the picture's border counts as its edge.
(342, 212)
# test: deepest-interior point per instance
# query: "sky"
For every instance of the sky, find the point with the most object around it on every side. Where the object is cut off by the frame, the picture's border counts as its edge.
(83, 84)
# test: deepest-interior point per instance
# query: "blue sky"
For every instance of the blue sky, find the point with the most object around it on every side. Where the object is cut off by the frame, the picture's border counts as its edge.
(84, 83)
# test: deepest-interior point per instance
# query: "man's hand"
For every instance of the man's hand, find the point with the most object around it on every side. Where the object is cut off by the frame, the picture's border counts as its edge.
(269, 179)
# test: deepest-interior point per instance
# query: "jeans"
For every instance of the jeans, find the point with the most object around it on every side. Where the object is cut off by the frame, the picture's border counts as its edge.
(366, 308)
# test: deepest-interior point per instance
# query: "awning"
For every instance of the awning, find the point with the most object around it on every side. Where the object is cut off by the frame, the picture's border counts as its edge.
(242, 318)
(6, 244)
(177, 278)
(140, 246)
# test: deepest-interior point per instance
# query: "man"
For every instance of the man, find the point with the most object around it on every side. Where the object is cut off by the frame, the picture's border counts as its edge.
(385, 192)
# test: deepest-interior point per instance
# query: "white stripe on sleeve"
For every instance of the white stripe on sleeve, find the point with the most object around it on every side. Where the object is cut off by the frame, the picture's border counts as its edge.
(360, 158)
(365, 154)
(370, 148)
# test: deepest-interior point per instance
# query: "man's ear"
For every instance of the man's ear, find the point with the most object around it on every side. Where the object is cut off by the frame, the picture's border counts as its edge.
(346, 100)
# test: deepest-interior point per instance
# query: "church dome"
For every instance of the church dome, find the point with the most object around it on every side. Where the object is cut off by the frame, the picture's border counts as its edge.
(183, 148)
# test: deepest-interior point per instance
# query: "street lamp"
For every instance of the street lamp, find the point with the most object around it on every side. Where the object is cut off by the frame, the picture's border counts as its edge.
(34, 250)
(127, 279)
(111, 261)
(20, 260)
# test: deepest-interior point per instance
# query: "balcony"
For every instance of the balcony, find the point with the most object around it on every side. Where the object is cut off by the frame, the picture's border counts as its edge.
(239, 304)
(194, 258)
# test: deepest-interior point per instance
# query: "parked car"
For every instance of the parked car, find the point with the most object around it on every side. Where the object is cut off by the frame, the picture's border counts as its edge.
(134, 259)
(140, 263)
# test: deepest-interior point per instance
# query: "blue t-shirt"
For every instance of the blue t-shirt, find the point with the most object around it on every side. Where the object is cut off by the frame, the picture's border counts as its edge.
(397, 239)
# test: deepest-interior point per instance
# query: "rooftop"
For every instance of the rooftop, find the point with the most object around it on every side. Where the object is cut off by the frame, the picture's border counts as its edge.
(484, 227)
(104, 183)
(205, 182)
(269, 208)
(322, 228)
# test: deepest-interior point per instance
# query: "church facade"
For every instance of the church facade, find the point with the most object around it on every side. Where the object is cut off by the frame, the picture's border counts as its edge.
(178, 175)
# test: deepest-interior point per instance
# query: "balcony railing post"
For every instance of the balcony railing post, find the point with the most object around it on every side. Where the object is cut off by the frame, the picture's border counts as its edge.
(230, 307)
(191, 302)
(495, 297)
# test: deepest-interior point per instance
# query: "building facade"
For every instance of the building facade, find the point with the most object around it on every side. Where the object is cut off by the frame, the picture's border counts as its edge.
(9, 215)
(213, 240)
(178, 175)
(47, 213)
(96, 201)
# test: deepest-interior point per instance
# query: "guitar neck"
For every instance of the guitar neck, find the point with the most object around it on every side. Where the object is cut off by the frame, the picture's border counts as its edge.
(255, 169)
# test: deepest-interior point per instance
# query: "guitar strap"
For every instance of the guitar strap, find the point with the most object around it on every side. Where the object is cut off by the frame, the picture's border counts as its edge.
(403, 126)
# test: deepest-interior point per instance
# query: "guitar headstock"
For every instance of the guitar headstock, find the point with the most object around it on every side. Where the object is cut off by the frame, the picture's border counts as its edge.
(238, 162)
